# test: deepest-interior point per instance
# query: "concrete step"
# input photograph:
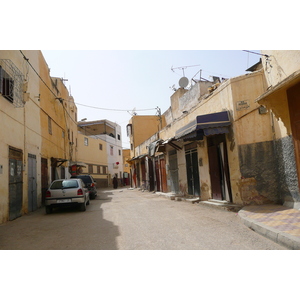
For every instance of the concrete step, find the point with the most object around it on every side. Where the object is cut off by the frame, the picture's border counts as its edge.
(220, 204)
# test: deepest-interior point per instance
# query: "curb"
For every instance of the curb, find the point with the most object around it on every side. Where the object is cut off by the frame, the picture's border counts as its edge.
(273, 234)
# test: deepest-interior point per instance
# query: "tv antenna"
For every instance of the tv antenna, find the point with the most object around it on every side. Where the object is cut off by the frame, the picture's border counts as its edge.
(133, 112)
(183, 68)
(183, 81)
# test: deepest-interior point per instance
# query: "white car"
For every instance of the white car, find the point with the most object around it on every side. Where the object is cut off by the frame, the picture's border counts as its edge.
(67, 192)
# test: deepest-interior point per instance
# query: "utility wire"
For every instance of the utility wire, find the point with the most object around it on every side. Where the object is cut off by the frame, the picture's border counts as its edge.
(256, 53)
(27, 59)
(112, 108)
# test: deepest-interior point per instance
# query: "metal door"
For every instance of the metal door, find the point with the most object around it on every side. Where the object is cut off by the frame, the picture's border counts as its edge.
(173, 168)
(15, 183)
(32, 184)
(192, 171)
(151, 174)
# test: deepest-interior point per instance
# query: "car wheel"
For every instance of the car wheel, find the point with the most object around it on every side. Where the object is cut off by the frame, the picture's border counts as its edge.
(48, 210)
(82, 206)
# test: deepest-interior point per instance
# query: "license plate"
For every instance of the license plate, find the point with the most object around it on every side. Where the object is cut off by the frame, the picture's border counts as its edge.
(64, 201)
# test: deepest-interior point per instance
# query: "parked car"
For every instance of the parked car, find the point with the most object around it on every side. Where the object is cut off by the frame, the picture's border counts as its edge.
(90, 183)
(67, 192)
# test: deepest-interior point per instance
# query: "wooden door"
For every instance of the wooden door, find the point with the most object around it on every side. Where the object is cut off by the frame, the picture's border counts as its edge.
(157, 175)
(163, 175)
(215, 172)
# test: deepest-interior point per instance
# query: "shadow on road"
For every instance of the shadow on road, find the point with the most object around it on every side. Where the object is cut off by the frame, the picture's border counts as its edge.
(64, 229)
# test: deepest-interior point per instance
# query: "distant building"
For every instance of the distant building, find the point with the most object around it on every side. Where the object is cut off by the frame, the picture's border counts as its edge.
(110, 133)
(139, 129)
(126, 167)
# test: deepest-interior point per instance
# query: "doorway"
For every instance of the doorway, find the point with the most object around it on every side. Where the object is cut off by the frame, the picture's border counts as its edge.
(219, 168)
(15, 183)
(44, 179)
(192, 169)
(173, 169)
(32, 184)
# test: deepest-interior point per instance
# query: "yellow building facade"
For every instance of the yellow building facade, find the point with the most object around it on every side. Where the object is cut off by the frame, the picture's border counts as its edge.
(229, 145)
(38, 131)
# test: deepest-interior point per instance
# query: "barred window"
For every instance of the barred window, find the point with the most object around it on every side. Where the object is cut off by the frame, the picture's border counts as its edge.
(11, 83)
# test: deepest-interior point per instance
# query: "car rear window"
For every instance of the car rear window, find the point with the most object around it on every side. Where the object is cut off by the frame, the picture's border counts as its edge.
(85, 179)
(64, 184)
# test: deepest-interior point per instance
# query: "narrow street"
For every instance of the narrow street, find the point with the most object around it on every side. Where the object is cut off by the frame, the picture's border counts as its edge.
(125, 219)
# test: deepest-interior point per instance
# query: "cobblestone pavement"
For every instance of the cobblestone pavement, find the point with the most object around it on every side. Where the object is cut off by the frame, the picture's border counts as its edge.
(126, 219)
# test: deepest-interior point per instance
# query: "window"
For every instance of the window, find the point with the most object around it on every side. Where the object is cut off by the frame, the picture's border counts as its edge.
(86, 141)
(49, 125)
(119, 152)
(6, 85)
(12, 85)
(100, 147)
(129, 129)
(119, 137)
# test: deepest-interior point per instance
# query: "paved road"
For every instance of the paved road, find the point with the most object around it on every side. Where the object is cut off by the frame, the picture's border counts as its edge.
(130, 219)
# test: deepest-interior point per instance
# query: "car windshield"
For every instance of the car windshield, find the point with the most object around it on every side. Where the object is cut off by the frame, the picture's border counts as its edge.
(64, 184)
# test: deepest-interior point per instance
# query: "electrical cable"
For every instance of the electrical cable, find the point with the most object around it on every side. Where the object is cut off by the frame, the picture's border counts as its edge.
(261, 54)
(113, 109)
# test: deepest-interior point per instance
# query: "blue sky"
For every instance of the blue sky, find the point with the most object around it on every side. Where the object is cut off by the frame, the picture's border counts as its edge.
(124, 80)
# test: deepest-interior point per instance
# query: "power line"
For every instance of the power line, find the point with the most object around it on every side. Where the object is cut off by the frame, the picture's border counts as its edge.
(261, 54)
(113, 109)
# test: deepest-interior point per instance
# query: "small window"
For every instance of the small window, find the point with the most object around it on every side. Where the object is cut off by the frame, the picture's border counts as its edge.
(119, 152)
(86, 141)
(49, 125)
(129, 129)
(6, 85)
(100, 147)
(119, 137)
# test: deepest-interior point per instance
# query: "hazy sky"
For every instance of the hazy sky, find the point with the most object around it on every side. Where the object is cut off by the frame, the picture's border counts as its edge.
(117, 81)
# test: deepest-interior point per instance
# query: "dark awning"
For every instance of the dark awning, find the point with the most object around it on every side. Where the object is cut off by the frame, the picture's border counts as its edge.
(209, 124)
(153, 147)
(137, 157)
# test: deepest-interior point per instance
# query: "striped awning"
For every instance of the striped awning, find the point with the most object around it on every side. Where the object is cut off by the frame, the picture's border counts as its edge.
(209, 124)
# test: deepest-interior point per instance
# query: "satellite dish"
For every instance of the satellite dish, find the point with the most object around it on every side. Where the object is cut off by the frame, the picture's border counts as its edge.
(183, 82)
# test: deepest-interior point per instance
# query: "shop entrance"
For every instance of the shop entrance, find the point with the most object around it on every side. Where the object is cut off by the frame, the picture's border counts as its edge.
(218, 167)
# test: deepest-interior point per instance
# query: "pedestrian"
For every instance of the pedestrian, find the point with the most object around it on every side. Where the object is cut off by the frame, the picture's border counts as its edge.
(115, 182)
